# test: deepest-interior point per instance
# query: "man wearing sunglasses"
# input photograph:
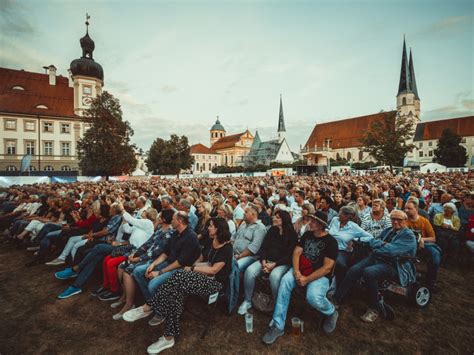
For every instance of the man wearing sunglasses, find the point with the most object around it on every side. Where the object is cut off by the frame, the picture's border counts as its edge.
(382, 264)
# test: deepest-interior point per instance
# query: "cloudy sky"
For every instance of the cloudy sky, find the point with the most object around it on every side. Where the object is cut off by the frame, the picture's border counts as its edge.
(176, 65)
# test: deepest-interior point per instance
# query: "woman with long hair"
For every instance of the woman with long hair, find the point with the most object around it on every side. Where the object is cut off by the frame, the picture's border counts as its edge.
(275, 257)
(204, 278)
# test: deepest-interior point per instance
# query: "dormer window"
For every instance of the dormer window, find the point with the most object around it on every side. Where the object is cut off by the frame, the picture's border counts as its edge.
(44, 107)
(18, 87)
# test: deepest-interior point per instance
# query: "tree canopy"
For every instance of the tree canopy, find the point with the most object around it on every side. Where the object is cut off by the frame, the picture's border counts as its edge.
(105, 148)
(389, 140)
(169, 156)
(449, 151)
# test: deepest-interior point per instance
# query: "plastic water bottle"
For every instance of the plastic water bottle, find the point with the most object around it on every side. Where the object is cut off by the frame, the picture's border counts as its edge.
(249, 322)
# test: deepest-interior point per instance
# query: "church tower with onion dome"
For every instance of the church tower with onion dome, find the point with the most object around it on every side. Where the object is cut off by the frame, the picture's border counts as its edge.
(86, 74)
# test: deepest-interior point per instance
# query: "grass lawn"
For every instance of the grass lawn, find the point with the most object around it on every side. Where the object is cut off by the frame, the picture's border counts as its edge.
(33, 320)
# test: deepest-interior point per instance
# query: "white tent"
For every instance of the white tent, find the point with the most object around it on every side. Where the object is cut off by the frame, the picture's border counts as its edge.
(433, 167)
(138, 172)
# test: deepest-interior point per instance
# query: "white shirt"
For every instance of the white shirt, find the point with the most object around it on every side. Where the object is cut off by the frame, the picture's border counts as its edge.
(140, 230)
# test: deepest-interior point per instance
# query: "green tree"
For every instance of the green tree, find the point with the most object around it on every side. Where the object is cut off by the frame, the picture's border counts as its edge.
(105, 148)
(449, 151)
(169, 156)
(388, 140)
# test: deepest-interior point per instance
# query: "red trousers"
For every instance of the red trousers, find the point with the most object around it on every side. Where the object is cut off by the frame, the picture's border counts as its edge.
(109, 270)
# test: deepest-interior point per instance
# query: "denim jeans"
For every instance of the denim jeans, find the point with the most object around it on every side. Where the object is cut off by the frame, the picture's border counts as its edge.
(147, 286)
(71, 247)
(245, 262)
(315, 295)
(18, 226)
(46, 242)
(342, 265)
(48, 227)
(89, 263)
(433, 253)
(254, 271)
(372, 271)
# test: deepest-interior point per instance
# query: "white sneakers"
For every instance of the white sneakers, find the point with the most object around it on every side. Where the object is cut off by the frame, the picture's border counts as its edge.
(244, 307)
(136, 314)
(160, 345)
(118, 304)
(55, 262)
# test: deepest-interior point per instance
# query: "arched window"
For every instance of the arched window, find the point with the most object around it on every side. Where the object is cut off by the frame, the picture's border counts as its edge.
(226, 161)
(338, 156)
(231, 159)
(18, 87)
(404, 101)
(32, 168)
(66, 168)
(361, 155)
(210, 166)
(349, 155)
(48, 168)
(215, 165)
(11, 168)
(44, 107)
(197, 166)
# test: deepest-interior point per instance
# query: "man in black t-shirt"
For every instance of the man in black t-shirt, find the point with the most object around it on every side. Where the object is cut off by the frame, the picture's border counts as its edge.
(313, 264)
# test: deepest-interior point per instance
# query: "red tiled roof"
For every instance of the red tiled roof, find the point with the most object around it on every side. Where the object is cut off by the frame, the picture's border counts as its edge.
(201, 149)
(227, 141)
(58, 98)
(462, 126)
(344, 133)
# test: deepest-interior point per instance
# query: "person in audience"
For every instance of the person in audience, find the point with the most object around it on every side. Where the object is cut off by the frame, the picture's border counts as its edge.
(140, 231)
(345, 231)
(325, 207)
(447, 226)
(274, 258)
(149, 251)
(182, 250)
(238, 211)
(382, 264)
(84, 270)
(426, 241)
(377, 220)
(313, 263)
(248, 239)
(204, 278)
(297, 206)
(304, 223)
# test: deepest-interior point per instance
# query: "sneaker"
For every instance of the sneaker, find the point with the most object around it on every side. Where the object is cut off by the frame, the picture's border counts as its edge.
(117, 304)
(98, 291)
(244, 307)
(109, 296)
(272, 334)
(35, 248)
(135, 314)
(70, 291)
(117, 316)
(156, 320)
(55, 262)
(160, 345)
(330, 322)
(65, 274)
(370, 316)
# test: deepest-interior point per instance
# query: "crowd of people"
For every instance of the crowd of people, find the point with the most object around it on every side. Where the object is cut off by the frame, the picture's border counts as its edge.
(168, 239)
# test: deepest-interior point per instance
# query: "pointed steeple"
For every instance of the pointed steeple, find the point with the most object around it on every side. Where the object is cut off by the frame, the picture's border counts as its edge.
(404, 85)
(256, 141)
(412, 76)
(281, 119)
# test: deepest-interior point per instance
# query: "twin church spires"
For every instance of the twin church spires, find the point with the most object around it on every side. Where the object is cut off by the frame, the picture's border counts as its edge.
(408, 101)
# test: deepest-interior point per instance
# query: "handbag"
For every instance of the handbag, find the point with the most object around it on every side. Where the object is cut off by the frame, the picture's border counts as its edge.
(120, 250)
(263, 302)
(306, 267)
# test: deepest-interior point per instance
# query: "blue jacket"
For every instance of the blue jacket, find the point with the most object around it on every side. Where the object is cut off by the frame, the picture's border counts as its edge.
(403, 243)
(232, 290)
